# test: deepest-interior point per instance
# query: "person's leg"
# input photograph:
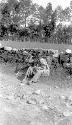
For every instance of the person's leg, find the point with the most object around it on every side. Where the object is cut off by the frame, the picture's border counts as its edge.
(36, 76)
(28, 73)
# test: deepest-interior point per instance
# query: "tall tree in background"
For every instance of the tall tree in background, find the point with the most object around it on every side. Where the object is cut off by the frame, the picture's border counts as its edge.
(26, 8)
(41, 14)
(10, 12)
(48, 13)
(5, 11)
(14, 10)
(45, 13)
(71, 4)
(67, 14)
(10, 18)
(59, 10)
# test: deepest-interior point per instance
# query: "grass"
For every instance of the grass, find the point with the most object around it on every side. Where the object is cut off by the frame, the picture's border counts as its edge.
(19, 45)
(19, 92)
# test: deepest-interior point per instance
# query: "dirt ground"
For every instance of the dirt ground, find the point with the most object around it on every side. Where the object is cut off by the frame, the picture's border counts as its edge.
(48, 102)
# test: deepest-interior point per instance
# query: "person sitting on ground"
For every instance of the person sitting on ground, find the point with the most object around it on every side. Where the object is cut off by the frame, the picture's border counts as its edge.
(34, 72)
(43, 70)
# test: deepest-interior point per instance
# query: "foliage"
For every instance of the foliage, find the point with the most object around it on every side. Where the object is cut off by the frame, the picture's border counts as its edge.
(23, 20)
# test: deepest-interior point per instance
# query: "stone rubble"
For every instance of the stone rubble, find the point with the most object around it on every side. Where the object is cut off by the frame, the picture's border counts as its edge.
(40, 57)
(51, 104)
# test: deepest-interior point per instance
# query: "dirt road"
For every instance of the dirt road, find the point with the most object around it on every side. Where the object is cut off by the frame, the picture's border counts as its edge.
(37, 104)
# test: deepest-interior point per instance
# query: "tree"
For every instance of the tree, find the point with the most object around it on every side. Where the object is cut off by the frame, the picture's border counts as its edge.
(66, 14)
(59, 10)
(26, 8)
(45, 13)
(41, 14)
(14, 11)
(71, 4)
(5, 11)
(48, 13)
(10, 12)
(10, 18)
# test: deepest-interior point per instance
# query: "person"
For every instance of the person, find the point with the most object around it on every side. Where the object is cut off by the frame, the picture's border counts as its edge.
(22, 70)
(34, 72)
(30, 74)
(43, 70)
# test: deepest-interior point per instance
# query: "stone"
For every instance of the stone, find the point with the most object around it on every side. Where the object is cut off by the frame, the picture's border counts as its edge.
(0, 45)
(42, 102)
(64, 121)
(32, 101)
(8, 48)
(68, 51)
(14, 49)
(45, 107)
(37, 92)
(67, 113)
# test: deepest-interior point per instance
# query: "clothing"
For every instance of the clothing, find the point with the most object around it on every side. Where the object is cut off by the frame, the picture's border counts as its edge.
(30, 74)
(33, 73)
(44, 72)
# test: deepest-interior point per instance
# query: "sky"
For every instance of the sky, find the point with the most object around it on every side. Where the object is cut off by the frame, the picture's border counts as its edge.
(55, 3)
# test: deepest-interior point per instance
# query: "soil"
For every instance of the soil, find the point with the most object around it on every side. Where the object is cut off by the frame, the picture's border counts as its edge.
(48, 102)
